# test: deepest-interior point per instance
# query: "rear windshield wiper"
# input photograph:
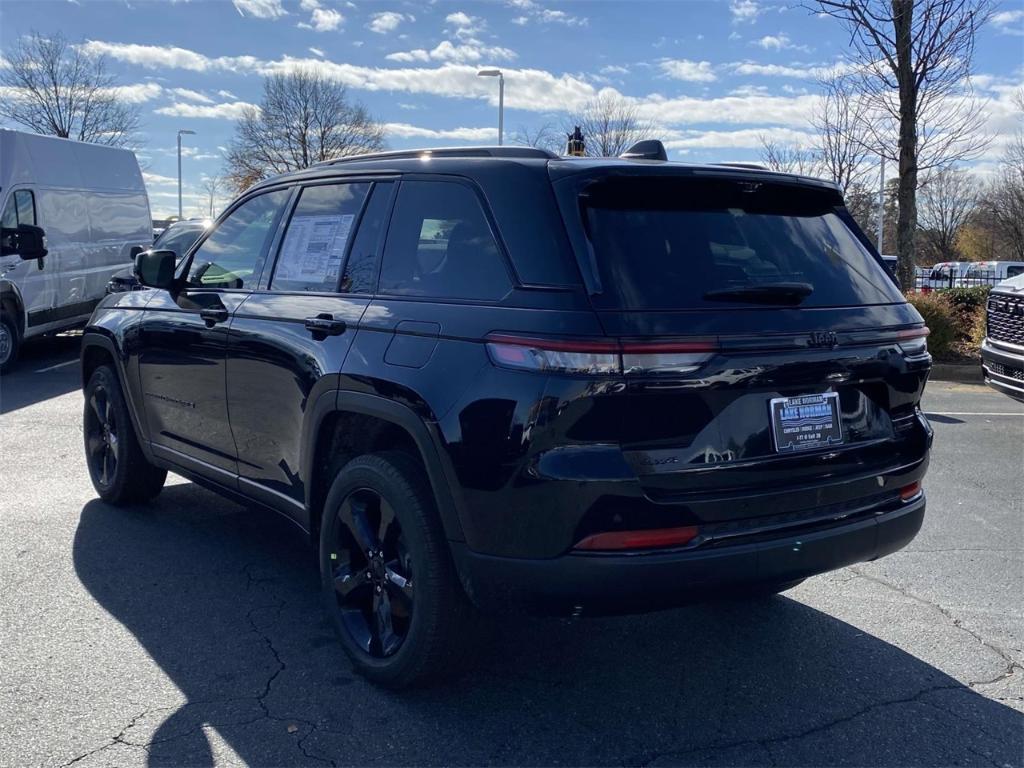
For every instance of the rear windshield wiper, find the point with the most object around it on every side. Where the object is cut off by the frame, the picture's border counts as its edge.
(764, 293)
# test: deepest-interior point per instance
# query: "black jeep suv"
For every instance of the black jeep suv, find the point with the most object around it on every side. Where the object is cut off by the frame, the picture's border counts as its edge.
(487, 378)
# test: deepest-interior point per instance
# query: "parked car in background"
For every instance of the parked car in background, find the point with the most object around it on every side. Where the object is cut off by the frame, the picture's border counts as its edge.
(490, 378)
(178, 237)
(1002, 351)
(946, 274)
(990, 272)
(892, 265)
(90, 203)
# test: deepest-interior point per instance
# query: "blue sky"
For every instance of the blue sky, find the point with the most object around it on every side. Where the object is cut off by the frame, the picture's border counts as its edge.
(712, 76)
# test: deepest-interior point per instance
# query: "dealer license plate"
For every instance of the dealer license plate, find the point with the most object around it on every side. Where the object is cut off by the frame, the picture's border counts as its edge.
(805, 422)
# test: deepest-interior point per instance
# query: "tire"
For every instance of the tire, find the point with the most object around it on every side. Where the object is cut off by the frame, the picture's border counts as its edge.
(119, 470)
(401, 614)
(10, 343)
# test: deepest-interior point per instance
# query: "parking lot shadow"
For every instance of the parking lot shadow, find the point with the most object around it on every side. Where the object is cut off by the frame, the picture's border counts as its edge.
(47, 367)
(224, 599)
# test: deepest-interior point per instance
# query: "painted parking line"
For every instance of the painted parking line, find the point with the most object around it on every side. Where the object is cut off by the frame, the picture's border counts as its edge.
(58, 365)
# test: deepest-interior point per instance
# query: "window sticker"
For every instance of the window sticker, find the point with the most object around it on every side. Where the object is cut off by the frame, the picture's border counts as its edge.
(314, 248)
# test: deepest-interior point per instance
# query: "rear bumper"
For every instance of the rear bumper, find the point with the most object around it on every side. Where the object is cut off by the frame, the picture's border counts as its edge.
(1004, 369)
(603, 583)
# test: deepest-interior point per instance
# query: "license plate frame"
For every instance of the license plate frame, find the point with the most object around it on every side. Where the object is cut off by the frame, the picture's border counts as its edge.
(805, 422)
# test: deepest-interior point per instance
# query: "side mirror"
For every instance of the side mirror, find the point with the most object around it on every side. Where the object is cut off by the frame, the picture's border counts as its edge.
(155, 269)
(25, 240)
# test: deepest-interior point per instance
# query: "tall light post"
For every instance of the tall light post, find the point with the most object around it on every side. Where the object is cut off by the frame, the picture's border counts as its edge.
(183, 132)
(501, 97)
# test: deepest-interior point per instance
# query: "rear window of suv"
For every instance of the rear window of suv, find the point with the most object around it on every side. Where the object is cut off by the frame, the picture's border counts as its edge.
(682, 243)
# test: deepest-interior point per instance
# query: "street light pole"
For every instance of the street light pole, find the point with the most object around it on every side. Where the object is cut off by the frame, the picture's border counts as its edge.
(182, 132)
(501, 98)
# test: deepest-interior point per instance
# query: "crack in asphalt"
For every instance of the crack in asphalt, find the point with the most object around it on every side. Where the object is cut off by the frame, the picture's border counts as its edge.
(765, 744)
(957, 622)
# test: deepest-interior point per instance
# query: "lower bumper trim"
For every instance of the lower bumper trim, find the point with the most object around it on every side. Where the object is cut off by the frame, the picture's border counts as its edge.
(613, 583)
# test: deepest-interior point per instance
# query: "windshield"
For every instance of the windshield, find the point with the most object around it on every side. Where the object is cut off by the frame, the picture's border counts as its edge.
(177, 239)
(670, 243)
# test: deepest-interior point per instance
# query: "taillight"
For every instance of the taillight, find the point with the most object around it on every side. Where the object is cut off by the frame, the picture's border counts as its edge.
(910, 492)
(649, 539)
(914, 343)
(605, 356)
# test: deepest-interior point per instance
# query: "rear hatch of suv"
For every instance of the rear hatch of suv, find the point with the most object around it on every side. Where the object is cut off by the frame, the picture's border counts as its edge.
(781, 368)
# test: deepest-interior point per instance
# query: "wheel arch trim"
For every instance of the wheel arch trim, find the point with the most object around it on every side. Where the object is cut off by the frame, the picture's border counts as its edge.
(345, 401)
(92, 339)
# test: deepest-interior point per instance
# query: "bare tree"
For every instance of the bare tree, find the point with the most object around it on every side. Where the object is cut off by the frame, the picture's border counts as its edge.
(843, 145)
(545, 136)
(52, 88)
(212, 186)
(946, 199)
(788, 158)
(913, 58)
(610, 125)
(1004, 197)
(303, 118)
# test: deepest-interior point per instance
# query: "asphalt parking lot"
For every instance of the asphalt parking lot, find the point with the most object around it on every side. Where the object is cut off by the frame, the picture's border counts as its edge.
(190, 633)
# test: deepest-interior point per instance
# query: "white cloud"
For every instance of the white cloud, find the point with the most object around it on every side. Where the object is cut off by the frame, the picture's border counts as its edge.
(544, 15)
(156, 180)
(316, 52)
(136, 94)
(227, 95)
(386, 21)
(471, 50)
(227, 111)
(691, 71)
(460, 19)
(261, 9)
(189, 95)
(745, 138)
(326, 19)
(407, 131)
(149, 56)
(795, 70)
(1009, 22)
(779, 42)
(744, 10)
(614, 69)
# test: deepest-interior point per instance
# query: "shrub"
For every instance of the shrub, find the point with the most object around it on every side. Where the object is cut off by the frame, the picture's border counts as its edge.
(942, 320)
(968, 300)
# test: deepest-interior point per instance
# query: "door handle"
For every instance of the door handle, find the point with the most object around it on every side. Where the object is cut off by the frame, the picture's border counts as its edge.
(213, 316)
(324, 325)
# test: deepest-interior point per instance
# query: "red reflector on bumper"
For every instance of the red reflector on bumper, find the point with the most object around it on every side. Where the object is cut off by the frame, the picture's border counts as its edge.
(656, 537)
(907, 492)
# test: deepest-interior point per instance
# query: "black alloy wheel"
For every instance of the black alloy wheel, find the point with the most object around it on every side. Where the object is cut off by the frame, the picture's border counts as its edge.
(372, 573)
(101, 436)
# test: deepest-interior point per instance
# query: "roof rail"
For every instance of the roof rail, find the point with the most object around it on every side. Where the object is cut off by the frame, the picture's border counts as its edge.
(751, 166)
(508, 152)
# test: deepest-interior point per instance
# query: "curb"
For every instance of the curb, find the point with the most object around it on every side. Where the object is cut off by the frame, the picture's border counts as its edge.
(958, 373)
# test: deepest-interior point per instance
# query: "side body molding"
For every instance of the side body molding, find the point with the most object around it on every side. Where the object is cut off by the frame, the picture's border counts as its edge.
(345, 401)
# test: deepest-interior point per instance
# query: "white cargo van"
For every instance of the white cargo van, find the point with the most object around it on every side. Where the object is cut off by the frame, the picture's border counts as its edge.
(91, 203)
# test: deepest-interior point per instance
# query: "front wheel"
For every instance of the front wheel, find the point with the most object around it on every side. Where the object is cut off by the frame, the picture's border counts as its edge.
(387, 578)
(10, 343)
(119, 470)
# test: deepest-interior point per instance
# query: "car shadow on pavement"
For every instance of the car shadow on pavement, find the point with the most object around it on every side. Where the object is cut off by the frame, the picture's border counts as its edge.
(224, 599)
(47, 367)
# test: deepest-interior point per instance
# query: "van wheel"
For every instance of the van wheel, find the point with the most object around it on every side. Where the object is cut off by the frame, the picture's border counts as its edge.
(10, 343)
(388, 582)
(119, 470)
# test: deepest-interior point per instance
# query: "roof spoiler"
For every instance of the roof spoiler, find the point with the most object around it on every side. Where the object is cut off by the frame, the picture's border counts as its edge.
(649, 149)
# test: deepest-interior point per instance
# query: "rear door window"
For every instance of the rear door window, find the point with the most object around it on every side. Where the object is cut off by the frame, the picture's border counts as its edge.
(317, 238)
(440, 245)
(671, 243)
